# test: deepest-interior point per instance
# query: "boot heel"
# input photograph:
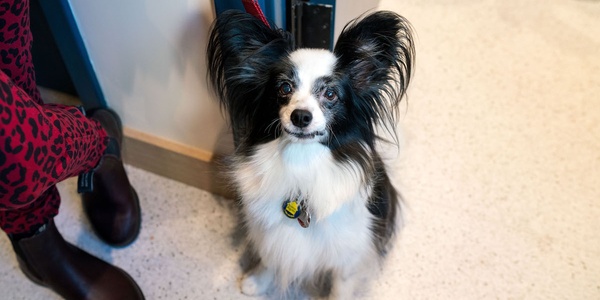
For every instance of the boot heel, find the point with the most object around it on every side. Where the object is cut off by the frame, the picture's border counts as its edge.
(29, 273)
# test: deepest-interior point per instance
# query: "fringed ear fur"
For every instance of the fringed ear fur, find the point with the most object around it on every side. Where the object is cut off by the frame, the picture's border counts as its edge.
(377, 52)
(242, 52)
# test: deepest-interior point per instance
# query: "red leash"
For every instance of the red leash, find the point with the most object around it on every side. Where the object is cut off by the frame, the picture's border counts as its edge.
(252, 7)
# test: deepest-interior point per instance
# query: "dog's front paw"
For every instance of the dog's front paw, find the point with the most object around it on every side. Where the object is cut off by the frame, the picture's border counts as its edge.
(251, 286)
(257, 283)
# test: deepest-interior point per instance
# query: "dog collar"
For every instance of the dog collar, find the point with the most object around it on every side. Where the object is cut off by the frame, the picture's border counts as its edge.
(297, 209)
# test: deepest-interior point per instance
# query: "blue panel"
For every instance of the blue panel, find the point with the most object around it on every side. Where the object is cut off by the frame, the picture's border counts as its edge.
(275, 11)
(72, 49)
(223, 5)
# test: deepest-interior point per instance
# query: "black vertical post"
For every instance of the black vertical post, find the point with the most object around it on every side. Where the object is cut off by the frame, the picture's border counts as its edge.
(312, 22)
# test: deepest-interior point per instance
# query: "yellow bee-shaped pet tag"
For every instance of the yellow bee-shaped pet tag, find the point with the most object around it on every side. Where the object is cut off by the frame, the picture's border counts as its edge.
(299, 211)
(292, 209)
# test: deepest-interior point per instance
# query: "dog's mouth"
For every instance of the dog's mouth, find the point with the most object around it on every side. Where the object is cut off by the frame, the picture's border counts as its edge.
(304, 135)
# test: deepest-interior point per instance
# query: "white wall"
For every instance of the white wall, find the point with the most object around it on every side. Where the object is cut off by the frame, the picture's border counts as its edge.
(347, 10)
(149, 56)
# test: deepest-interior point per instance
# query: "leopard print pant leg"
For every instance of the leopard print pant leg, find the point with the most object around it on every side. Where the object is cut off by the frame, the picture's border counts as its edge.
(40, 145)
(15, 46)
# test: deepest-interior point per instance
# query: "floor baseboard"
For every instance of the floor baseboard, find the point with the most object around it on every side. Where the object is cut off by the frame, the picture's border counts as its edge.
(179, 162)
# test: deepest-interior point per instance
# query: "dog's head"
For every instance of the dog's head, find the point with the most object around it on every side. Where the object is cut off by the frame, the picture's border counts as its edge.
(272, 90)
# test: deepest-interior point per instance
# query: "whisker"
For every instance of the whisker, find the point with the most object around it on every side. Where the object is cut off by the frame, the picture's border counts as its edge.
(276, 123)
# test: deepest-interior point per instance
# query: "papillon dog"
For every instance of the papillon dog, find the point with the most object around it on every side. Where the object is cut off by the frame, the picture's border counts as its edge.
(318, 206)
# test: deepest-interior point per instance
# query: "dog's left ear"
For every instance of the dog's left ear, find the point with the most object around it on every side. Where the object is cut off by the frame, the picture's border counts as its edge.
(377, 53)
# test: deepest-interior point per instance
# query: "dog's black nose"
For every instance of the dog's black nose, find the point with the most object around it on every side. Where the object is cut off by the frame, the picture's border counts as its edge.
(301, 117)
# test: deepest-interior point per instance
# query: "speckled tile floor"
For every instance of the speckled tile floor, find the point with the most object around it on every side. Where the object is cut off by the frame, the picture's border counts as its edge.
(500, 171)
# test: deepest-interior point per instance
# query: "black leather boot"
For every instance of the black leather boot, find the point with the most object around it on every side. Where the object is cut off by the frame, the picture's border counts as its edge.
(47, 259)
(109, 200)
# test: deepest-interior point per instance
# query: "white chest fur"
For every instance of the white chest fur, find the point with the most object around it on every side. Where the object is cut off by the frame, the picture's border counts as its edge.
(339, 235)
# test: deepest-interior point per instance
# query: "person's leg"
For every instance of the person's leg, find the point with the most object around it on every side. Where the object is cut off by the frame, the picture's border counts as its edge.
(17, 63)
(15, 46)
(41, 145)
(33, 135)
(109, 200)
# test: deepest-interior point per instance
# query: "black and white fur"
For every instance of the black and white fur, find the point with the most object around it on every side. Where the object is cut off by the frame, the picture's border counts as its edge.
(304, 124)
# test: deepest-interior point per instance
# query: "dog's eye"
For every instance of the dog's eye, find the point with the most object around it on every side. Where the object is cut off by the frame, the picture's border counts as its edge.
(285, 89)
(329, 94)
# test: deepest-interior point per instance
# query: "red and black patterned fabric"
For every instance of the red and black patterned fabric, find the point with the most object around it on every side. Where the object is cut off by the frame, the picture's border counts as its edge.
(40, 144)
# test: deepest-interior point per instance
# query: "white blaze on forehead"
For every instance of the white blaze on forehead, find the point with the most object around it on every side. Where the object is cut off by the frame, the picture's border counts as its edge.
(311, 64)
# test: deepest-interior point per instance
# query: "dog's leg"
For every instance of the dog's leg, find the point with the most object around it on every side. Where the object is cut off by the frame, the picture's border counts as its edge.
(258, 281)
(343, 287)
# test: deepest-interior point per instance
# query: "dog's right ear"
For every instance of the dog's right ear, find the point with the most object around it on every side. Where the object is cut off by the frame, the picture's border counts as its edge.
(241, 52)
